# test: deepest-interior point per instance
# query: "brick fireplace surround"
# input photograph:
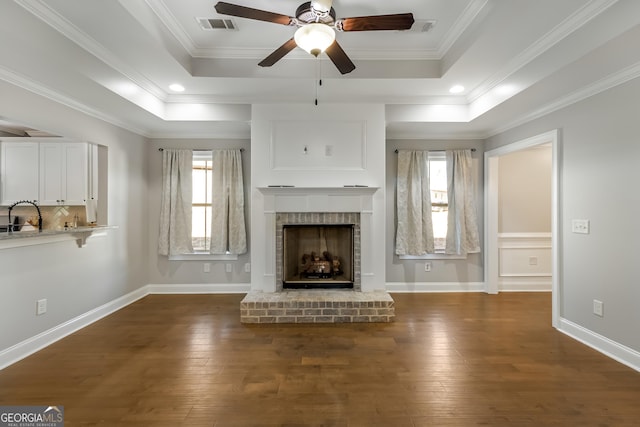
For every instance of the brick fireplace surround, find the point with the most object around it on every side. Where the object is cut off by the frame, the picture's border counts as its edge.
(315, 206)
(317, 306)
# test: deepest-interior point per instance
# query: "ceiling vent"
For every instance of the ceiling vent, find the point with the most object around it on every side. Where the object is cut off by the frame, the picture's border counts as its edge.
(217, 24)
(423, 26)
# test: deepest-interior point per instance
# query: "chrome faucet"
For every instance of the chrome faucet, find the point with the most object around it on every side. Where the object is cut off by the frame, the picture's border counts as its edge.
(31, 203)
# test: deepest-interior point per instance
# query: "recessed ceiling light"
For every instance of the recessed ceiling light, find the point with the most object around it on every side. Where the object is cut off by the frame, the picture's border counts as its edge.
(456, 89)
(176, 87)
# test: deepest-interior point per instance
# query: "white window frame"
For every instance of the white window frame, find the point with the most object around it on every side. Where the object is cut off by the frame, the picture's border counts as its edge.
(203, 255)
(434, 155)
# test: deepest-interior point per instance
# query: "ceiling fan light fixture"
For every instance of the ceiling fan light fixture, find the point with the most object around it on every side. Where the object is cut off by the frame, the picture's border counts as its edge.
(315, 38)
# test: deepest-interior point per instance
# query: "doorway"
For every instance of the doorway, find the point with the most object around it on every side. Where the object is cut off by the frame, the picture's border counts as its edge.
(492, 209)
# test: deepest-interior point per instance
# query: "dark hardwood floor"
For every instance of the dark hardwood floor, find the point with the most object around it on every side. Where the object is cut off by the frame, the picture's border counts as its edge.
(447, 360)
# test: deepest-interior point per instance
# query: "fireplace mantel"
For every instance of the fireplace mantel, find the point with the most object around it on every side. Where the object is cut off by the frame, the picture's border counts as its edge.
(318, 199)
(341, 191)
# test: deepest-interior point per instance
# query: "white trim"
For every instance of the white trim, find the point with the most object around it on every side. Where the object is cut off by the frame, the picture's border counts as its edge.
(55, 96)
(203, 257)
(200, 288)
(525, 236)
(36, 343)
(606, 83)
(425, 287)
(491, 209)
(623, 354)
(538, 244)
(574, 22)
(90, 45)
(525, 284)
(432, 256)
(31, 345)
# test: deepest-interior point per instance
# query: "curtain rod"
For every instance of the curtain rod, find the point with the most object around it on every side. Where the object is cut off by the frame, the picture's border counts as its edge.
(203, 149)
(438, 151)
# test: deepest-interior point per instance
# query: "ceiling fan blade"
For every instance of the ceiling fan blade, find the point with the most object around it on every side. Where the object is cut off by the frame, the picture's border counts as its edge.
(277, 54)
(339, 58)
(399, 21)
(250, 13)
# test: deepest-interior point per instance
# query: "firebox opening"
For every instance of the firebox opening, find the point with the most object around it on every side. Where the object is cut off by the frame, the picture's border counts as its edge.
(318, 256)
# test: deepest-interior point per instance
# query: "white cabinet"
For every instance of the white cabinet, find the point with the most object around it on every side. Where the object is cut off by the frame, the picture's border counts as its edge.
(19, 171)
(63, 173)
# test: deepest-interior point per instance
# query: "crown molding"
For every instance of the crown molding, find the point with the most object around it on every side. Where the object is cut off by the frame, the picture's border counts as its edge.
(609, 82)
(463, 22)
(543, 44)
(166, 17)
(84, 41)
(53, 95)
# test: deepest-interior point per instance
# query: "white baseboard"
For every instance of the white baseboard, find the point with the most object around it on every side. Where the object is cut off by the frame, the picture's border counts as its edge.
(31, 345)
(610, 348)
(524, 284)
(203, 288)
(604, 345)
(435, 287)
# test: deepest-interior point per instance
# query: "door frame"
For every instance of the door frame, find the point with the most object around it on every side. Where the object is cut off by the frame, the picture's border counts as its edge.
(491, 208)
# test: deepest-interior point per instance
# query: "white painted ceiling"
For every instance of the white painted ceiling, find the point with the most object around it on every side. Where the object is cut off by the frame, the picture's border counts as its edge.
(517, 60)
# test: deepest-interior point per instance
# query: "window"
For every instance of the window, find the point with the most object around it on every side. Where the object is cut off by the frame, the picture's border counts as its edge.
(201, 211)
(439, 201)
(435, 237)
(202, 179)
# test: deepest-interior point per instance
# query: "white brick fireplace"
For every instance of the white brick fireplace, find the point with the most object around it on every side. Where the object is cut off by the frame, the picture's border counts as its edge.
(325, 158)
(316, 201)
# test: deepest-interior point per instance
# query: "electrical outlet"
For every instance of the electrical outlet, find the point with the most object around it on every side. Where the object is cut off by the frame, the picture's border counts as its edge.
(580, 226)
(427, 266)
(247, 268)
(598, 308)
(328, 150)
(41, 307)
(228, 268)
(206, 267)
(533, 260)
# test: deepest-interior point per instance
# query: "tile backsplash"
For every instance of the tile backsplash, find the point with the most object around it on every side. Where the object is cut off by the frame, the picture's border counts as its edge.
(53, 217)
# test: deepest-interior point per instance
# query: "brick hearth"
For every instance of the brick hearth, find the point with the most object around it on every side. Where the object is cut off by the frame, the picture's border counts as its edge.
(316, 306)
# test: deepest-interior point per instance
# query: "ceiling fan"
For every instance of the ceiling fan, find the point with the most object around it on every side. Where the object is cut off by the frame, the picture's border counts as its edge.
(317, 23)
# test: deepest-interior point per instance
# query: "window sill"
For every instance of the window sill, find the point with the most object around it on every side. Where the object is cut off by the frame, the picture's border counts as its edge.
(432, 256)
(203, 256)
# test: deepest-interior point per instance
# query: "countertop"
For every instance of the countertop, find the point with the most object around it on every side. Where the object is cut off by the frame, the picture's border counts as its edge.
(35, 237)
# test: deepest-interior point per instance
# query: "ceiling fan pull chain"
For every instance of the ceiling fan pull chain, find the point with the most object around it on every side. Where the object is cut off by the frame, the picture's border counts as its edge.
(318, 77)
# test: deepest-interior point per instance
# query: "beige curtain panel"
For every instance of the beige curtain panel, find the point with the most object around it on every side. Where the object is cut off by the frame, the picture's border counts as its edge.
(228, 232)
(414, 235)
(175, 212)
(462, 221)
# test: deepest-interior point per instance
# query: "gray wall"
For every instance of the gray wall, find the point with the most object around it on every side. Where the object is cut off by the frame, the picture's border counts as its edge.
(163, 271)
(600, 154)
(75, 280)
(524, 191)
(462, 271)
